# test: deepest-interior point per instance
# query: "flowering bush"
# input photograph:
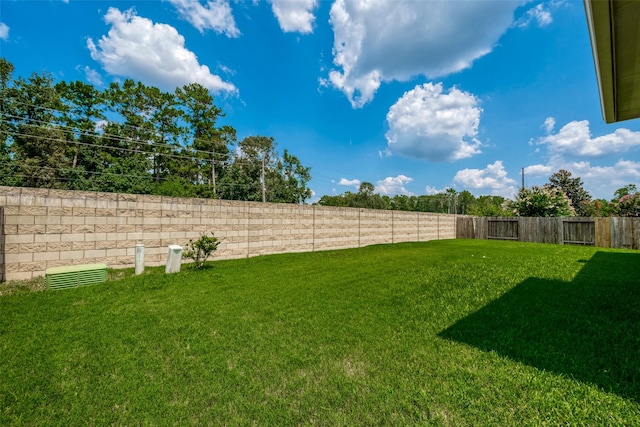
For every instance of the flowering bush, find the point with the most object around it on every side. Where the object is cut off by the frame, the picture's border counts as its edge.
(628, 205)
(542, 201)
(600, 208)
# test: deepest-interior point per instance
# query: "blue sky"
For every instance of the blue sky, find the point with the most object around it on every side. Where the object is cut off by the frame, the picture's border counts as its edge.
(412, 96)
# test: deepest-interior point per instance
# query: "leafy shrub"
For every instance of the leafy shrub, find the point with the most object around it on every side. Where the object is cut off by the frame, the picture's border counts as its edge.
(629, 205)
(542, 201)
(200, 250)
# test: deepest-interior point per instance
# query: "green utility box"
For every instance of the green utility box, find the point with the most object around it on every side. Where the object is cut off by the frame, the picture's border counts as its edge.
(75, 275)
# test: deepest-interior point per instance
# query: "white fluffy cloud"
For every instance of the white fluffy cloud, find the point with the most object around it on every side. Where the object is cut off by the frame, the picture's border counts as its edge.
(540, 14)
(621, 173)
(155, 54)
(393, 185)
(429, 124)
(539, 170)
(568, 148)
(384, 40)
(601, 181)
(575, 139)
(214, 15)
(433, 190)
(295, 16)
(91, 75)
(549, 124)
(493, 178)
(4, 31)
(350, 182)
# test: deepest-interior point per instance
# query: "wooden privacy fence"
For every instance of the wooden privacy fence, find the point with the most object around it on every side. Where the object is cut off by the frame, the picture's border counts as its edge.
(601, 232)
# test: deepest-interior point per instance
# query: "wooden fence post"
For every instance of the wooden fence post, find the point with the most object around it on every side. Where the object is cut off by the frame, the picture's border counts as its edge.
(603, 232)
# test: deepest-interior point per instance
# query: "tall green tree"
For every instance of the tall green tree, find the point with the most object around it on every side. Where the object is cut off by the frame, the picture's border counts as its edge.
(623, 191)
(452, 200)
(466, 201)
(131, 103)
(573, 189)
(366, 189)
(128, 159)
(253, 175)
(8, 168)
(368, 198)
(436, 203)
(294, 177)
(210, 143)
(401, 202)
(39, 144)
(339, 200)
(82, 108)
(258, 173)
(164, 118)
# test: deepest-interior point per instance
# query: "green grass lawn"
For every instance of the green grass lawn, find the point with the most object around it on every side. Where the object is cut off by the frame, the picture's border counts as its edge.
(457, 332)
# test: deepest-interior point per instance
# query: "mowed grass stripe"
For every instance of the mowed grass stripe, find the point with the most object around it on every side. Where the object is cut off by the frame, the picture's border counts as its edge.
(456, 332)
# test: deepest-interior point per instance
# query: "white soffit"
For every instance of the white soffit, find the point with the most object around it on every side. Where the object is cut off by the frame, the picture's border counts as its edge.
(614, 27)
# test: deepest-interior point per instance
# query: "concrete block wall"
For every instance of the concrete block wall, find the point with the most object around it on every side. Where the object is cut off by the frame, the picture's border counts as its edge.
(2, 269)
(375, 227)
(335, 228)
(42, 228)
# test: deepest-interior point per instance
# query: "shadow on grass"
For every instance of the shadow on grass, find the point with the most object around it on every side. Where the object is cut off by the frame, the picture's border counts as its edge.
(587, 329)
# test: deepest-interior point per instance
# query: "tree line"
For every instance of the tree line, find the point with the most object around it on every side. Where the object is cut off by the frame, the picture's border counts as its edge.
(563, 195)
(133, 138)
(450, 201)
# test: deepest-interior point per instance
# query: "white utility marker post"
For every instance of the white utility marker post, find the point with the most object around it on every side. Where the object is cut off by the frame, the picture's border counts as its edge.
(174, 258)
(139, 259)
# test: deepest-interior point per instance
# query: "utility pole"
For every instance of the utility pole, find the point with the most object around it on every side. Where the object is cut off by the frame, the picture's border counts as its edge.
(264, 190)
(213, 172)
(523, 178)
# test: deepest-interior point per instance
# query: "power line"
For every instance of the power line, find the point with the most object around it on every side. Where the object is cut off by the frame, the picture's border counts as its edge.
(125, 125)
(236, 159)
(129, 126)
(43, 125)
(110, 147)
(83, 171)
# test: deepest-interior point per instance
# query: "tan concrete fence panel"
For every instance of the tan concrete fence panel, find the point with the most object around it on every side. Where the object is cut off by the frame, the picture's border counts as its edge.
(42, 228)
